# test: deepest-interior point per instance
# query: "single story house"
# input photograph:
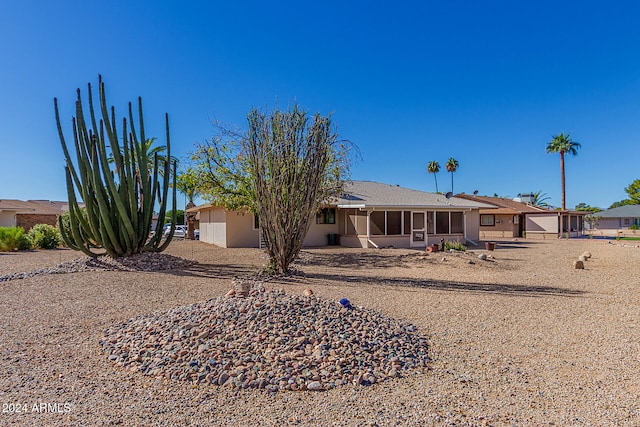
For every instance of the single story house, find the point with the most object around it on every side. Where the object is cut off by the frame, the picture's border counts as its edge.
(26, 214)
(618, 220)
(368, 214)
(512, 218)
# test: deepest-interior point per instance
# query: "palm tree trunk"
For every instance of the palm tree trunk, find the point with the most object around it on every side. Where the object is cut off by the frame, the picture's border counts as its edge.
(564, 204)
(436, 178)
(452, 183)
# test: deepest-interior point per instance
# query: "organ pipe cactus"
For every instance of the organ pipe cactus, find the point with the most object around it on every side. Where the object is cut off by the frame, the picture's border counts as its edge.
(119, 203)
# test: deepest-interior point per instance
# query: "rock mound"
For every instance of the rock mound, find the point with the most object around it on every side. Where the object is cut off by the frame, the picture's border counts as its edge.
(270, 341)
(146, 261)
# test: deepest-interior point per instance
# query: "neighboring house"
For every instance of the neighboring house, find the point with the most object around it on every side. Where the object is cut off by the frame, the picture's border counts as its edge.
(28, 213)
(512, 219)
(618, 219)
(369, 214)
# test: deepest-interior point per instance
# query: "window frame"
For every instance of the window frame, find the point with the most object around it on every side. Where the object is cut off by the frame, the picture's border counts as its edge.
(323, 215)
(493, 220)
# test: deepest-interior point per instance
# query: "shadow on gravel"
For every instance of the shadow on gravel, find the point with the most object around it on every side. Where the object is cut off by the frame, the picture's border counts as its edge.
(356, 260)
(213, 271)
(440, 285)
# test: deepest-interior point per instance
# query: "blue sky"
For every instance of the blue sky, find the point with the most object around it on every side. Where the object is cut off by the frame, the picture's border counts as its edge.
(487, 82)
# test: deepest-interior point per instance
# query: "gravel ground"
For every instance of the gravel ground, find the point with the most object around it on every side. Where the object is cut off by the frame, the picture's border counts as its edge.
(518, 339)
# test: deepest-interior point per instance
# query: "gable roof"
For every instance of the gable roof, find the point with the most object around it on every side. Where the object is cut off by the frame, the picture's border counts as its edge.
(626, 211)
(507, 205)
(370, 194)
(39, 207)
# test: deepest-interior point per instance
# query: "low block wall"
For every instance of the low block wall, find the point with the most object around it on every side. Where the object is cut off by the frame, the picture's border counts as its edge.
(27, 221)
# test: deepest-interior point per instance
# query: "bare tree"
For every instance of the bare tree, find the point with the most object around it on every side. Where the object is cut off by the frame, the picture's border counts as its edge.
(283, 169)
(296, 162)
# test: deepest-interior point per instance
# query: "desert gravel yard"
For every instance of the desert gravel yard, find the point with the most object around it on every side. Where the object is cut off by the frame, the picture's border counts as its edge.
(518, 339)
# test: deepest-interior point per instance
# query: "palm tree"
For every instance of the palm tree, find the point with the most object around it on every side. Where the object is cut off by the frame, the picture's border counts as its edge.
(452, 166)
(188, 183)
(434, 167)
(540, 199)
(146, 147)
(563, 144)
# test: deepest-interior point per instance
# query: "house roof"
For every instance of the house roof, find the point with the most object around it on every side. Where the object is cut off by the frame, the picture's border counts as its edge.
(507, 205)
(370, 194)
(200, 207)
(626, 211)
(39, 207)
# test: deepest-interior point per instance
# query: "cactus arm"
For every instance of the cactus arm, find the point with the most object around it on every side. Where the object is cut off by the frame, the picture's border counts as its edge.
(157, 235)
(75, 218)
(164, 245)
(111, 188)
(65, 150)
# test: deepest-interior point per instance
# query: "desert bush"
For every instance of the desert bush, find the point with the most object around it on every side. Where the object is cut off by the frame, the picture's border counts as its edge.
(9, 238)
(24, 242)
(45, 236)
(634, 227)
(456, 246)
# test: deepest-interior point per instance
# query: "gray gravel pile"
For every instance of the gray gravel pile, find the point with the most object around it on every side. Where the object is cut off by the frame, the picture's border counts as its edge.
(270, 341)
(146, 261)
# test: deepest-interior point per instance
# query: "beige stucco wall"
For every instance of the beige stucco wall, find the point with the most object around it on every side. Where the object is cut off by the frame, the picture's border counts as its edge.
(395, 241)
(234, 229)
(317, 235)
(7, 219)
(213, 226)
(504, 228)
(351, 242)
(472, 219)
(541, 226)
(240, 232)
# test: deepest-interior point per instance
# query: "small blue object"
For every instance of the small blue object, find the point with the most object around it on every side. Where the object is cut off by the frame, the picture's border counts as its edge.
(345, 303)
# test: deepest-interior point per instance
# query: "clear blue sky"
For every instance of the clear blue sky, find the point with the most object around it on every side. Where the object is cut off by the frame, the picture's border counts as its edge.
(487, 82)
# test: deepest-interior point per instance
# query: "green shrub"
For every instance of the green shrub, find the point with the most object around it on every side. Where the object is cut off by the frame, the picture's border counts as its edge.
(24, 242)
(9, 238)
(45, 236)
(634, 227)
(456, 246)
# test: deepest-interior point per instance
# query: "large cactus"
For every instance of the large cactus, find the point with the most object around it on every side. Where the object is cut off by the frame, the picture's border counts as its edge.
(119, 203)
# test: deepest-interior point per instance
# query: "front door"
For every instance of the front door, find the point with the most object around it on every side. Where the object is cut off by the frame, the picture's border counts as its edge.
(418, 230)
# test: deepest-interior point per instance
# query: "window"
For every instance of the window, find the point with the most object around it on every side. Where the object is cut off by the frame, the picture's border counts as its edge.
(326, 216)
(387, 223)
(376, 223)
(457, 222)
(430, 216)
(487, 219)
(626, 221)
(442, 222)
(394, 223)
(256, 222)
(407, 222)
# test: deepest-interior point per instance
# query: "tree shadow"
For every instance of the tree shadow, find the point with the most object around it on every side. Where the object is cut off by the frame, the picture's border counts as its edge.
(214, 271)
(362, 259)
(341, 280)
